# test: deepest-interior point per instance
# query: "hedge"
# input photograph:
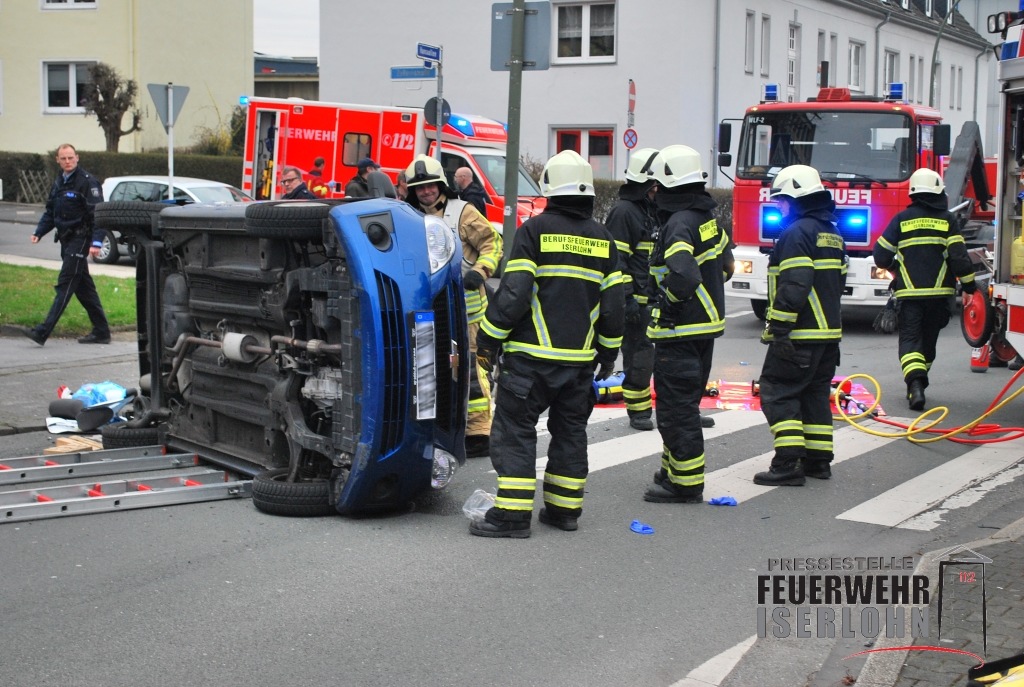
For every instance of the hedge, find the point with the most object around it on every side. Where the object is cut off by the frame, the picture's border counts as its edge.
(225, 168)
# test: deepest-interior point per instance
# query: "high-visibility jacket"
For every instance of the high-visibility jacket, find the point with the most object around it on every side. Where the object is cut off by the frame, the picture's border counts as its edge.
(691, 261)
(924, 249)
(632, 223)
(560, 297)
(806, 276)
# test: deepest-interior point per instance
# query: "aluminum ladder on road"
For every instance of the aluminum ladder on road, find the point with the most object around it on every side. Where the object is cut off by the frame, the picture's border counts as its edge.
(188, 483)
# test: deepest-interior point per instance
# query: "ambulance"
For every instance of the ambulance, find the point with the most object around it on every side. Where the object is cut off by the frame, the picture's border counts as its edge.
(294, 132)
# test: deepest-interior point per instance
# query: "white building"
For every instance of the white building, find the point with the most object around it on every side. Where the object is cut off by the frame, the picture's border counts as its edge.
(693, 63)
(47, 46)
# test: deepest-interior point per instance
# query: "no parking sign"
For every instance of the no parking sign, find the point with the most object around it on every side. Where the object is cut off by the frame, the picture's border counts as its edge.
(629, 138)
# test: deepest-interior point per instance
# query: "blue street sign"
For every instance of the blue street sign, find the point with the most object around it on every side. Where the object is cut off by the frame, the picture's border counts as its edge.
(428, 52)
(414, 72)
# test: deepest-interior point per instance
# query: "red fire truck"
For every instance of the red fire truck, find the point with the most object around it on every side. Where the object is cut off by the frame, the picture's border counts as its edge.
(295, 132)
(994, 317)
(865, 149)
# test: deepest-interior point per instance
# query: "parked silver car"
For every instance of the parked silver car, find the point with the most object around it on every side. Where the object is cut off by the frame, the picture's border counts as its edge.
(153, 189)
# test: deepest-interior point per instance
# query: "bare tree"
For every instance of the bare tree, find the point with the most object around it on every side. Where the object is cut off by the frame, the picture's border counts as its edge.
(108, 97)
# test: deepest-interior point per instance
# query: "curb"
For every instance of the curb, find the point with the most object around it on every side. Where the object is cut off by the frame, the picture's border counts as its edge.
(883, 669)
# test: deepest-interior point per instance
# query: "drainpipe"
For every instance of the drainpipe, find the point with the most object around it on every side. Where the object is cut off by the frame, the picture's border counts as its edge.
(878, 44)
(715, 94)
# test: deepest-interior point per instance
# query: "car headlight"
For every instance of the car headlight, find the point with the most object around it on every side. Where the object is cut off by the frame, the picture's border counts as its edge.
(445, 465)
(440, 242)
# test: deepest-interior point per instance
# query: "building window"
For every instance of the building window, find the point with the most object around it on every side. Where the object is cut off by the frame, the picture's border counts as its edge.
(911, 79)
(892, 67)
(959, 88)
(1, 88)
(952, 86)
(856, 71)
(821, 58)
(354, 148)
(64, 83)
(586, 32)
(927, 8)
(920, 79)
(793, 64)
(833, 52)
(937, 86)
(905, 4)
(748, 46)
(69, 4)
(766, 42)
(595, 145)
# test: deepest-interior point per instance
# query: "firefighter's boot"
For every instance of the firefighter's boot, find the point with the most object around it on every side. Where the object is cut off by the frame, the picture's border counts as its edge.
(641, 421)
(784, 472)
(566, 523)
(915, 394)
(492, 526)
(818, 469)
(666, 492)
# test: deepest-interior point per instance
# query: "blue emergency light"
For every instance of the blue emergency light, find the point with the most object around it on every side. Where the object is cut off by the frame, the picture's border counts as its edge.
(854, 224)
(243, 100)
(771, 222)
(896, 92)
(462, 125)
(770, 93)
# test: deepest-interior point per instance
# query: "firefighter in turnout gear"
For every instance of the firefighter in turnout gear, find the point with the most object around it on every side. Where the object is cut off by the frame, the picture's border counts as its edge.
(806, 276)
(481, 253)
(557, 316)
(632, 223)
(923, 248)
(690, 263)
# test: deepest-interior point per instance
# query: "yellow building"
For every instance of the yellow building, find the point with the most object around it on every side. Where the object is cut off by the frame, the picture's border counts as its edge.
(47, 47)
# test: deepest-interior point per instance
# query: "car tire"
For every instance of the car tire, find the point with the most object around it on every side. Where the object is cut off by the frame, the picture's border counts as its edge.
(109, 254)
(274, 495)
(127, 214)
(294, 220)
(120, 436)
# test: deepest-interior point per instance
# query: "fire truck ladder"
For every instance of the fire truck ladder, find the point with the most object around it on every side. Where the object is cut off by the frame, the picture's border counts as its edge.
(192, 485)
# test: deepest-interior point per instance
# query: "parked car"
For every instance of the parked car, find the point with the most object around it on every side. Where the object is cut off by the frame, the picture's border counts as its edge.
(153, 189)
(318, 346)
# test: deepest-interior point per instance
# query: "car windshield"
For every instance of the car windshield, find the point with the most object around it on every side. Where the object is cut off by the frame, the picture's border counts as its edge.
(838, 144)
(493, 167)
(218, 194)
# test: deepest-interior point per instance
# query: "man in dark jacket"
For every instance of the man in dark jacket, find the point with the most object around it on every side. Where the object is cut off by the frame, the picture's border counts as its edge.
(357, 186)
(69, 210)
(690, 263)
(557, 315)
(632, 224)
(923, 248)
(295, 187)
(806, 276)
(470, 189)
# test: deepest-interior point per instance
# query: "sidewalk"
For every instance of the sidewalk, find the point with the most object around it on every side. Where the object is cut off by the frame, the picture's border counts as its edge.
(962, 617)
(20, 213)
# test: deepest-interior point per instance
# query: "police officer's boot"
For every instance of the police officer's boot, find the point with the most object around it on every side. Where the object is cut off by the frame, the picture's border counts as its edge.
(915, 394)
(786, 472)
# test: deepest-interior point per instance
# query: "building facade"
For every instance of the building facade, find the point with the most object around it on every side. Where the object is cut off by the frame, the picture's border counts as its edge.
(691, 64)
(47, 47)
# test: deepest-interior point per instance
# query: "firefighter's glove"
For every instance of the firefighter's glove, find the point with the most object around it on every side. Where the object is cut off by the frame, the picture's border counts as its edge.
(603, 368)
(632, 311)
(487, 352)
(968, 287)
(472, 280)
(782, 347)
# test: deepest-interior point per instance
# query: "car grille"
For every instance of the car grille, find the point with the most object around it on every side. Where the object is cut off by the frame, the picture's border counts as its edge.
(396, 392)
(446, 412)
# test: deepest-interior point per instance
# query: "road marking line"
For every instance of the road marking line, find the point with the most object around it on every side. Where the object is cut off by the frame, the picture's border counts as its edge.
(712, 672)
(901, 503)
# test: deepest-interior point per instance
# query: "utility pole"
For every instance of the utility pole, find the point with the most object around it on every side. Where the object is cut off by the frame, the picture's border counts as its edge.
(515, 91)
(935, 54)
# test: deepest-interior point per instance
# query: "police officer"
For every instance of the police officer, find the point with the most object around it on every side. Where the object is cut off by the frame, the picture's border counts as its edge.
(806, 275)
(557, 315)
(632, 224)
(923, 248)
(690, 262)
(69, 210)
(481, 252)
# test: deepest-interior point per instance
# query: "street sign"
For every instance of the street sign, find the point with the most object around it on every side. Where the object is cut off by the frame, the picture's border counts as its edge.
(413, 72)
(430, 112)
(428, 52)
(632, 96)
(629, 138)
(536, 36)
(158, 91)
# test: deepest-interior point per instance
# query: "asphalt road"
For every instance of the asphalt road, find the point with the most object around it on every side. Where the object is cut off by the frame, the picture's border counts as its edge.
(219, 593)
